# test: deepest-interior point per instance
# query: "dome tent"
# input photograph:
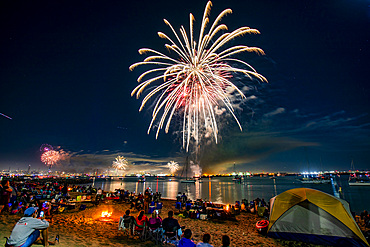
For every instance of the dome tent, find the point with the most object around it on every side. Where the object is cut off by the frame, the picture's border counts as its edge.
(313, 216)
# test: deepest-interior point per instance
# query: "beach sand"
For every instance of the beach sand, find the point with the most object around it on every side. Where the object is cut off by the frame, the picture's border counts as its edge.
(83, 228)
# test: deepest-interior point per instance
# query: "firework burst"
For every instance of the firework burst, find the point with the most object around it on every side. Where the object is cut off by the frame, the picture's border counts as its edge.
(197, 80)
(46, 147)
(50, 157)
(173, 166)
(120, 163)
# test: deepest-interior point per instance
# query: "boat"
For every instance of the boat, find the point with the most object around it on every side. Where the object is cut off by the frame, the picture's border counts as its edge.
(316, 180)
(187, 180)
(142, 179)
(236, 178)
(359, 180)
(102, 178)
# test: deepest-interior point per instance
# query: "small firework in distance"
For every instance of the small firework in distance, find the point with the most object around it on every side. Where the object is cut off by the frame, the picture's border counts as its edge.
(120, 163)
(173, 166)
(46, 147)
(50, 157)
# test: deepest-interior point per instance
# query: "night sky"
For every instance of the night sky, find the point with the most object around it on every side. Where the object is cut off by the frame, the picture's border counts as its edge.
(64, 80)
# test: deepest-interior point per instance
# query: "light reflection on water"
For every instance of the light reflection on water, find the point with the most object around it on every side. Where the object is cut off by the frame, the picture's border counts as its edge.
(224, 190)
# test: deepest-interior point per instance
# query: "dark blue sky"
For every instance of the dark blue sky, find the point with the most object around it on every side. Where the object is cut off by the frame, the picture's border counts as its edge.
(65, 81)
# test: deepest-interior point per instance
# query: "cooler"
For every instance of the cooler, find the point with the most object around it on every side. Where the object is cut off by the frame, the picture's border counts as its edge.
(151, 209)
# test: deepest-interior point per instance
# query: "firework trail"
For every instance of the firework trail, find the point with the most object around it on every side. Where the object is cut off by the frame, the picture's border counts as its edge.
(5, 116)
(173, 166)
(120, 163)
(197, 80)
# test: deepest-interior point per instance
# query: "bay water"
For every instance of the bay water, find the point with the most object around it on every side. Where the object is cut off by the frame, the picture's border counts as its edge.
(224, 190)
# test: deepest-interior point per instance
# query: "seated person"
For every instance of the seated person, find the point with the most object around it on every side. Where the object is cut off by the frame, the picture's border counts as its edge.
(139, 205)
(242, 207)
(225, 241)
(170, 223)
(141, 219)
(186, 241)
(155, 221)
(128, 219)
(206, 240)
(27, 230)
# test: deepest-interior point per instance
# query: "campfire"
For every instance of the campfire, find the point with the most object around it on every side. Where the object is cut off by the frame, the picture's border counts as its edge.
(105, 216)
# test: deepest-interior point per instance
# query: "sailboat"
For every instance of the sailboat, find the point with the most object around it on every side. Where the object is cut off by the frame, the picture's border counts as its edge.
(187, 180)
(237, 178)
(318, 179)
(356, 179)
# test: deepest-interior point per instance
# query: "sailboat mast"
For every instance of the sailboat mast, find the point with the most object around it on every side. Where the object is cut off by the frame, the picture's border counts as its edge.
(308, 163)
(186, 167)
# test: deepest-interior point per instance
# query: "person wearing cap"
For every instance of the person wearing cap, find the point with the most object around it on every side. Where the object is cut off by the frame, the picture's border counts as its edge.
(27, 230)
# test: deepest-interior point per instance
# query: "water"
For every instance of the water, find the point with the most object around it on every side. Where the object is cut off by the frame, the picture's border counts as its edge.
(224, 190)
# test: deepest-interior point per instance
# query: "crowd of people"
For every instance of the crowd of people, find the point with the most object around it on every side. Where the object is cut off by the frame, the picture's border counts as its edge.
(167, 229)
(32, 201)
(197, 209)
(20, 198)
(16, 197)
(26, 199)
(365, 217)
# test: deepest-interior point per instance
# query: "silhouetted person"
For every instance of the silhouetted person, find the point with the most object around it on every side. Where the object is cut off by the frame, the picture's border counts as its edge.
(225, 241)
(206, 240)
(186, 241)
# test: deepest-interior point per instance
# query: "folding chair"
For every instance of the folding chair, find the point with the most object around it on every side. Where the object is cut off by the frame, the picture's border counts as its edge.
(126, 225)
(155, 233)
(141, 232)
(171, 235)
(261, 211)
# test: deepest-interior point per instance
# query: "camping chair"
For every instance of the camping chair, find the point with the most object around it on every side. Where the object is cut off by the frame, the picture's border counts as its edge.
(155, 232)
(261, 211)
(142, 232)
(171, 235)
(126, 225)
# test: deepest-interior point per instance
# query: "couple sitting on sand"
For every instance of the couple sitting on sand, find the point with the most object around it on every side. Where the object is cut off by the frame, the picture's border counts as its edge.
(27, 230)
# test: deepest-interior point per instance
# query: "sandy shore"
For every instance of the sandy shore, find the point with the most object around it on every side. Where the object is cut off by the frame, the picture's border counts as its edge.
(83, 228)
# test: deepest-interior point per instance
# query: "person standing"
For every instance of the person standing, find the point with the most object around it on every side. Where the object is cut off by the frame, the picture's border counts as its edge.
(6, 192)
(184, 198)
(98, 196)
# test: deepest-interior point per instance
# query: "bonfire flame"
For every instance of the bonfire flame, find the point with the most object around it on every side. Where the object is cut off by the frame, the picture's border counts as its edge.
(106, 214)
